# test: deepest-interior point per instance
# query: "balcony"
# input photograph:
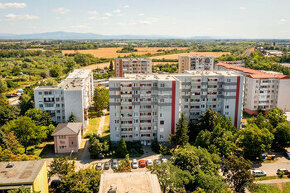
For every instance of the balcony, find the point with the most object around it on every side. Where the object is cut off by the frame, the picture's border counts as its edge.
(126, 124)
(145, 131)
(145, 110)
(126, 132)
(146, 124)
(145, 138)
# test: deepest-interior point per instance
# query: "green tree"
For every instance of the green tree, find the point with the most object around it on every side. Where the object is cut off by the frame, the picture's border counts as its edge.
(170, 177)
(12, 143)
(254, 141)
(40, 117)
(60, 167)
(276, 116)
(3, 86)
(8, 113)
(97, 146)
(72, 118)
(82, 181)
(26, 103)
(180, 138)
(111, 66)
(101, 99)
(70, 65)
(237, 172)
(282, 135)
(21, 189)
(121, 150)
(123, 165)
(261, 121)
(26, 131)
(3, 140)
(56, 70)
(155, 145)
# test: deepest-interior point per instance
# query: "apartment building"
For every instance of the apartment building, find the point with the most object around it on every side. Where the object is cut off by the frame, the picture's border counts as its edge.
(195, 62)
(132, 66)
(72, 95)
(263, 90)
(143, 107)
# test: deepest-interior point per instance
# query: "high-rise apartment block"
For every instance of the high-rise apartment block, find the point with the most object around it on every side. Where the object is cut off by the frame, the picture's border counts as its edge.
(73, 95)
(143, 107)
(263, 90)
(196, 62)
(132, 66)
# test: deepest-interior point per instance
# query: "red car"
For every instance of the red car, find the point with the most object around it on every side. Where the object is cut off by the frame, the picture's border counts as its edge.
(142, 163)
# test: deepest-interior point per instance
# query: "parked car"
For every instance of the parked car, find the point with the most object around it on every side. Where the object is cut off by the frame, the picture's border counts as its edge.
(114, 163)
(285, 171)
(99, 166)
(149, 162)
(142, 163)
(258, 173)
(288, 155)
(163, 160)
(107, 166)
(134, 164)
(157, 161)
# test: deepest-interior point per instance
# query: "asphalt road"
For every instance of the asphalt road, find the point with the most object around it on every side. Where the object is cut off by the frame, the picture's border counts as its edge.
(271, 168)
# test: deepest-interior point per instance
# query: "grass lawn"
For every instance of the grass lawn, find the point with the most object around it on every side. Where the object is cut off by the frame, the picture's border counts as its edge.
(41, 150)
(270, 178)
(106, 128)
(93, 125)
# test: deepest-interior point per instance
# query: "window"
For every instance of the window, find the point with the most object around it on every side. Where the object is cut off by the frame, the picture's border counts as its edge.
(161, 129)
(57, 105)
(227, 106)
(40, 105)
(228, 80)
(162, 100)
(161, 115)
(116, 128)
(62, 137)
(62, 147)
(162, 85)
(161, 136)
(40, 93)
(57, 99)
(161, 122)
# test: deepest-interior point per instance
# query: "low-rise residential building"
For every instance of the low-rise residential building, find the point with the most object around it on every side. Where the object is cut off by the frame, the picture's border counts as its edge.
(73, 95)
(263, 90)
(129, 182)
(30, 174)
(195, 62)
(132, 66)
(143, 107)
(67, 137)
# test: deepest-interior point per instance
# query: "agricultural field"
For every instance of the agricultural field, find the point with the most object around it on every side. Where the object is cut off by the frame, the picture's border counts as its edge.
(112, 52)
(175, 56)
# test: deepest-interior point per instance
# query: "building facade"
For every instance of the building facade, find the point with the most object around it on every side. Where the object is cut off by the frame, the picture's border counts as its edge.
(132, 66)
(143, 107)
(263, 90)
(67, 137)
(195, 62)
(73, 95)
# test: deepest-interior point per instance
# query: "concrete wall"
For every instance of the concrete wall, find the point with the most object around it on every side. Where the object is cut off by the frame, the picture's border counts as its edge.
(40, 184)
(74, 104)
(76, 139)
(283, 101)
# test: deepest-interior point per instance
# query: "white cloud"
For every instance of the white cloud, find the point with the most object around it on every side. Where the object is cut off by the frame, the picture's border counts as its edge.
(98, 18)
(108, 14)
(12, 16)
(61, 10)
(125, 6)
(92, 12)
(141, 14)
(12, 5)
(117, 11)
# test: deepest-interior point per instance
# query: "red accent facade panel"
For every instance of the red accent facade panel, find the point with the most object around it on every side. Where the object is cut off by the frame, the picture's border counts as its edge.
(121, 68)
(115, 64)
(173, 107)
(237, 102)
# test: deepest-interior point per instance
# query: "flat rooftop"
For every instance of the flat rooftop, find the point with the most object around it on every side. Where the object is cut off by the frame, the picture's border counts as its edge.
(132, 59)
(71, 84)
(79, 73)
(130, 182)
(19, 172)
(145, 77)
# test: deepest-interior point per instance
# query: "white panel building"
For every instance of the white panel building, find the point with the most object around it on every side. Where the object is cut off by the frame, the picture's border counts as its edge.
(72, 95)
(132, 66)
(143, 107)
(263, 89)
(195, 62)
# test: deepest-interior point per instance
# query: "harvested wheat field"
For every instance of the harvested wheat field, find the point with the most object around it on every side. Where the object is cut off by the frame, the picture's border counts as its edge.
(112, 52)
(175, 56)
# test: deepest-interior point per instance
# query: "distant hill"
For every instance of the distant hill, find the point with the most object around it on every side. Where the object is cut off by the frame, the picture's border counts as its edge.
(86, 36)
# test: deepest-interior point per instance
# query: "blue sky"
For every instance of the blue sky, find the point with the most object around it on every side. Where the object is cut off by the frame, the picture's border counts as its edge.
(230, 18)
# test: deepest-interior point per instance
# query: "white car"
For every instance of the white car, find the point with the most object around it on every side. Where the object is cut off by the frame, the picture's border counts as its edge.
(134, 164)
(149, 162)
(163, 160)
(258, 173)
(115, 163)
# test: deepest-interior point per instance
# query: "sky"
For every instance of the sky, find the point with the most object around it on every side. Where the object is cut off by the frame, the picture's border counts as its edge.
(182, 18)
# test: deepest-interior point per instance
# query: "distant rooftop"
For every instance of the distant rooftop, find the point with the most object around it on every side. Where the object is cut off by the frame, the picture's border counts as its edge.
(19, 172)
(196, 56)
(253, 73)
(130, 182)
(67, 128)
(131, 59)
(79, 73)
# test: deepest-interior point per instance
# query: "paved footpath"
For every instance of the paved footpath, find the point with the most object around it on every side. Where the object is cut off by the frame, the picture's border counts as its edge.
(101, 125)
(272, 181)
